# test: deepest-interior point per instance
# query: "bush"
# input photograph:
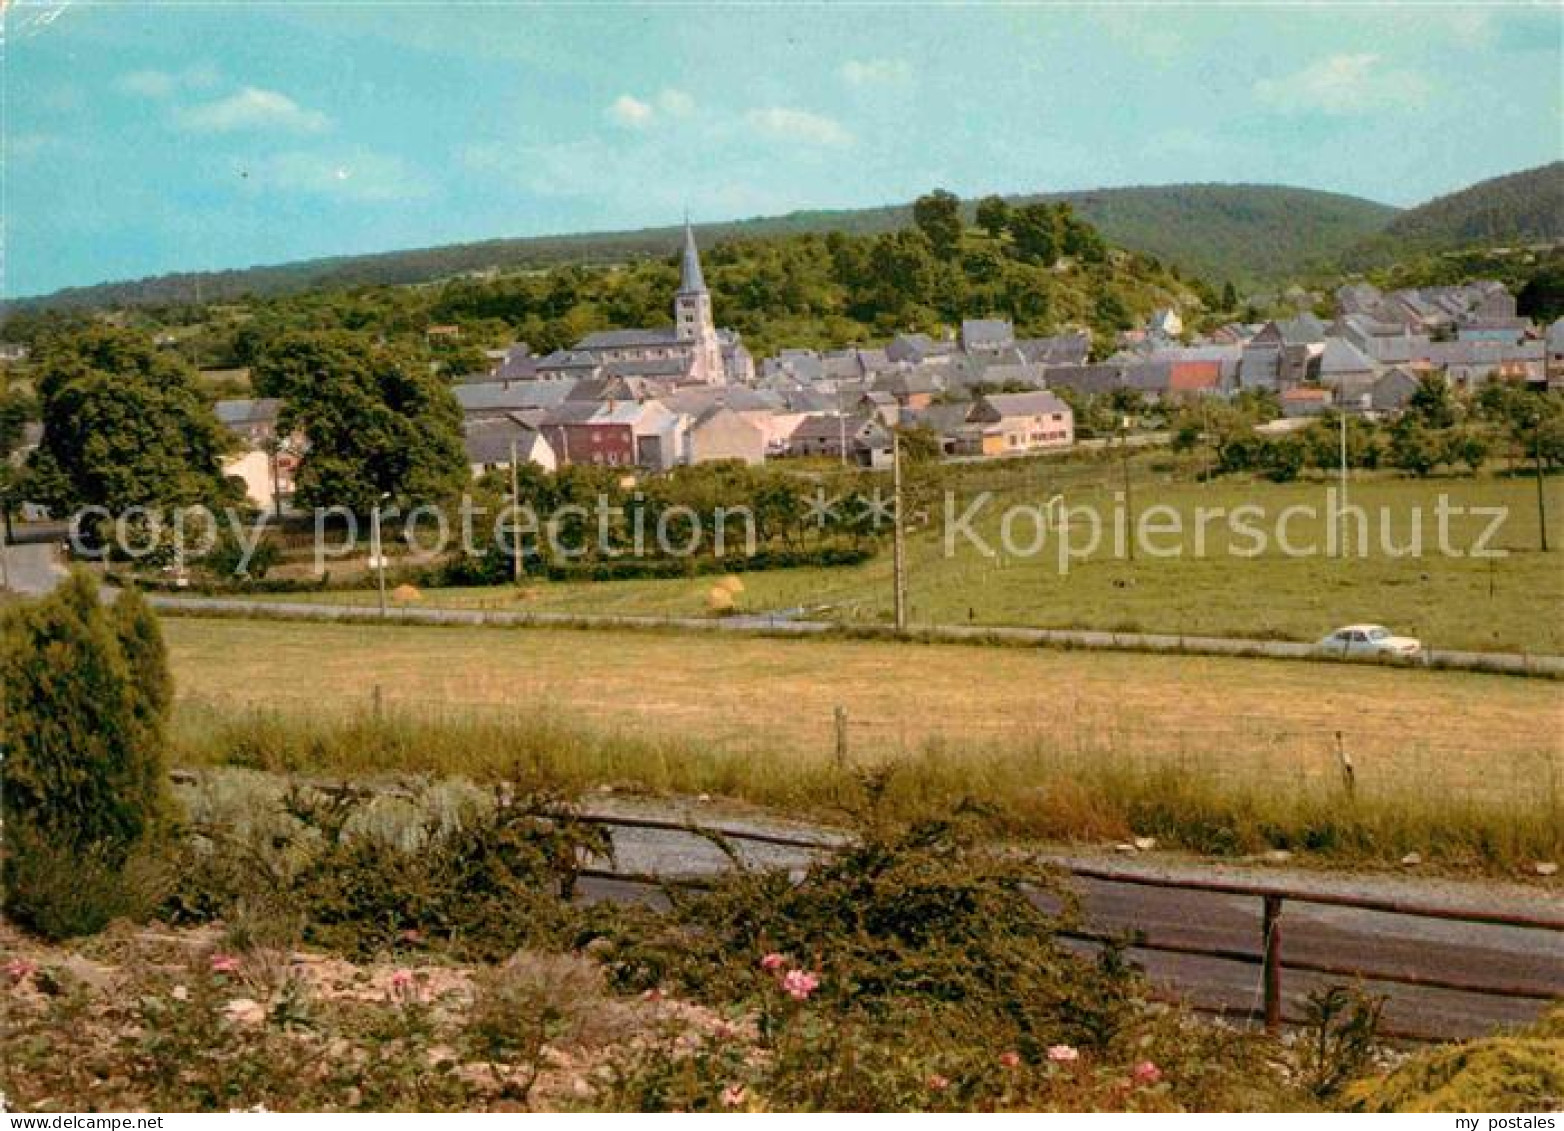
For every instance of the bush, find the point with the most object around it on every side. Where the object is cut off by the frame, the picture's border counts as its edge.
(1523, 1072)
(84, 709)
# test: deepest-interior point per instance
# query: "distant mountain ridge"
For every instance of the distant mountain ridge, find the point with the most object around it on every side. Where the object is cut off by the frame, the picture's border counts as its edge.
(1250, 234)
(1519, 208)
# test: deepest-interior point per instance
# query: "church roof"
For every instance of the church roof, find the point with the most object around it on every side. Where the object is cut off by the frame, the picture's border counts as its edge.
(691, 281)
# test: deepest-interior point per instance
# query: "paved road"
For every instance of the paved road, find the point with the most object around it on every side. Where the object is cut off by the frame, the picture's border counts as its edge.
(790, 624)
(1312, 933)
(38, 571)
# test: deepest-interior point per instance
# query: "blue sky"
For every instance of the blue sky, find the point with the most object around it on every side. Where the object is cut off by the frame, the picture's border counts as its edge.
(142, 139)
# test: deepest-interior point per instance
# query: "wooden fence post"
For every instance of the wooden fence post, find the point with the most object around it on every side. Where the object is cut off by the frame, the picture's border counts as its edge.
(1271, 941)
(841, 738)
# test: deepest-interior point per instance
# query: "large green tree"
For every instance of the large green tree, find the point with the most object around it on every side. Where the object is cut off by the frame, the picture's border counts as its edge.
(376, 421)
(124, 425)
(938, 216)
(993, 215)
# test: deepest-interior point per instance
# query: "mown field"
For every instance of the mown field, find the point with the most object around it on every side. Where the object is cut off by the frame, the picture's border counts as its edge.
(1506, 603)
(1065, 743)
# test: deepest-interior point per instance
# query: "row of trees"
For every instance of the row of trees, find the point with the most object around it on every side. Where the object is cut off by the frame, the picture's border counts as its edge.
(1437, 430)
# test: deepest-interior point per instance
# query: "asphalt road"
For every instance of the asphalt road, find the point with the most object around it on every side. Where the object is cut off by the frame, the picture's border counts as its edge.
(34, 568)
(1480, 954)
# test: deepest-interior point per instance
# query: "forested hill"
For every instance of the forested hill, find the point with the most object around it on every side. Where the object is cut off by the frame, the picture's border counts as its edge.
(1521, 208)
(1247, 234)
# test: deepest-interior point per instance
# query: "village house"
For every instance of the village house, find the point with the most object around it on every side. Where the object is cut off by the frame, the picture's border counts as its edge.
(1022, 422)
(264, 462)
(492, 441)
(720, 433)
(868, 442)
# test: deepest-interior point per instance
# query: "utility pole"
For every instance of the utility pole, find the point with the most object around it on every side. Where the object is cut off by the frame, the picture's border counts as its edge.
(1129, 500)
(377, 557)
(1341, 509)
(898, 546)
(515, 518)
(1205, 437)
(1542, 504)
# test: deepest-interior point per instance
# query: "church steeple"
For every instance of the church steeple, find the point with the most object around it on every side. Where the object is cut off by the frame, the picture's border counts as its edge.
(692, 315)
(691, 281)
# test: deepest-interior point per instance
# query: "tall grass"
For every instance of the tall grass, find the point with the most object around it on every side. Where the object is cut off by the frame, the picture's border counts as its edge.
(1043, 786)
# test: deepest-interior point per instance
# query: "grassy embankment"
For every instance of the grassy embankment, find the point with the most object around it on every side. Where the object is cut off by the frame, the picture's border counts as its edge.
(1502, 604)
(1217, 755)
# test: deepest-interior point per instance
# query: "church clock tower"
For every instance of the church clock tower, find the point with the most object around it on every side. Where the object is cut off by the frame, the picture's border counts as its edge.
(692, 316)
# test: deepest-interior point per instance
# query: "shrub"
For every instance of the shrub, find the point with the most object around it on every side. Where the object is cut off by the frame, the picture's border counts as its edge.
(84, 708)
(1523, 1072)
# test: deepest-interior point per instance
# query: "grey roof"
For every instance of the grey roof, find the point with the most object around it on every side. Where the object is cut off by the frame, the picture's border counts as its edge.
(986, 333)
(1062, 349)
(668, 367)
(1089, 379)
(499, 397)
(1341, 356)
(943, 418)
(1025, 404)
(696, 401)
(691, 281)
(1305, 329)
(628, 339)
(1556, 335)
(488, 441)
(244, 412)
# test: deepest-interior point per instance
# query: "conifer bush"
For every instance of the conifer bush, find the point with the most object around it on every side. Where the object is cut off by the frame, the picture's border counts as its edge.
(84, 704)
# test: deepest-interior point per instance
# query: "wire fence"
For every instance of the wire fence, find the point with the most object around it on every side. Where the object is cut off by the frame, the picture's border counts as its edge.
(1393, 754)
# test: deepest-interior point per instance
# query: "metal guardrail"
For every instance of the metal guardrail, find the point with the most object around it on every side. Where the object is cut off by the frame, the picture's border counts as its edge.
(1269, 957)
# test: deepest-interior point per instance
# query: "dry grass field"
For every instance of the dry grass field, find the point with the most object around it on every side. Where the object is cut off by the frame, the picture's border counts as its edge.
(772, 700)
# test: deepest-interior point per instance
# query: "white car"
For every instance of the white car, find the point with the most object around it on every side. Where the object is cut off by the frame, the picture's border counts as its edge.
(1368, 640)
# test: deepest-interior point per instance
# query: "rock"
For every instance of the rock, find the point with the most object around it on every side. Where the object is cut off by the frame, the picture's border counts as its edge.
(704, 799)
(1545, 868)
(245, 1011)
(1278, 856)
(1127, 849)
(1145, 843)
(87, 972)
(1411, 860)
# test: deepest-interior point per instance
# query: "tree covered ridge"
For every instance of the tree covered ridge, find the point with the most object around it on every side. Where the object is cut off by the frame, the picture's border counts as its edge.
(1248, 233)
(1524, 207)
(1047, 268)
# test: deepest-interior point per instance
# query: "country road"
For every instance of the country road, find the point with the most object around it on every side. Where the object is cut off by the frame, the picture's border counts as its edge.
(35, 570)
(1482, 954)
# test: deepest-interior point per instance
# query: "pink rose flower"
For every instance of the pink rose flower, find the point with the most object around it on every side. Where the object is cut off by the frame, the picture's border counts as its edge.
(772, 962)
(1146, 1073)
(733, 1095)
(1010, 1060)
(402, 980)
(224, 964)
(1063, 1054)
(799, 984)
(18, 970)
(938, 1083)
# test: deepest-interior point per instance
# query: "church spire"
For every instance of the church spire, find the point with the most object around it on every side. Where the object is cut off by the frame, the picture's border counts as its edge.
(691, 281)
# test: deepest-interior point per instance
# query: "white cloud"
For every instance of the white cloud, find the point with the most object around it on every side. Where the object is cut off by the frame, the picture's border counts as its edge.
(627, 110)
(675, 102)
(253, 109)
(877, 72)
(165, 84)
(788, 124)
(1343, 85)
(354, 174)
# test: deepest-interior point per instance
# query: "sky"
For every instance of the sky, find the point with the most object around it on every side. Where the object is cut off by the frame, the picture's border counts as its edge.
(141, 139)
